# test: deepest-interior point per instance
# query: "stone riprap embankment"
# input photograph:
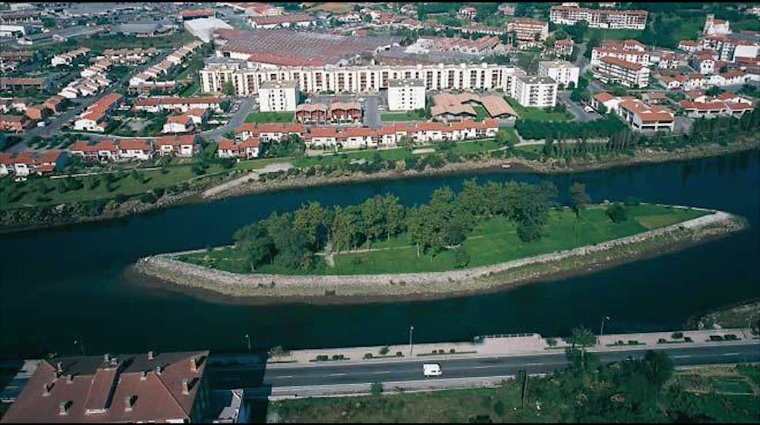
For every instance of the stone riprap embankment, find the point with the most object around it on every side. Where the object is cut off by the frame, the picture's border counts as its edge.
(440, 284)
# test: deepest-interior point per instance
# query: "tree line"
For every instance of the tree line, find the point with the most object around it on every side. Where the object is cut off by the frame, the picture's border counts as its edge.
(539, 130)
(291, 240)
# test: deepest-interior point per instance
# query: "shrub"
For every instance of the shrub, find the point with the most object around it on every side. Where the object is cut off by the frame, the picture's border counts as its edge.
(398, 354)
(632, 342)
(376, 388)
(452, 351)
(731, 337)
(498, 408)
(433, 352)
(677, 335)
(384, 350)
(551, 341)
(368, 355)
(662, 341)
(716, 338)
(687, 339)
(617, 213)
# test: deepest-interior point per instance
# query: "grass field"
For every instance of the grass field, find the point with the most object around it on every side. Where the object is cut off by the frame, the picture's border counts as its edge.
(402, 116)
(481, 113)
(607, 34)
(263, 117)
(538, 114)
(492, 241)
(127, 186)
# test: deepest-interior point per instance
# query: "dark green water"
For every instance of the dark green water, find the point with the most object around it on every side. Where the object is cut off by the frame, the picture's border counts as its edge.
(56, 285)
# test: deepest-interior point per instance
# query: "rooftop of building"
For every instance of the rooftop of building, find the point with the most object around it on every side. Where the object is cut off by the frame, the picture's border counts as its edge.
(406, 82)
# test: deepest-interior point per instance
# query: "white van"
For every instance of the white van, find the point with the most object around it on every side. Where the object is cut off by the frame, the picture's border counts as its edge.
(431, 369)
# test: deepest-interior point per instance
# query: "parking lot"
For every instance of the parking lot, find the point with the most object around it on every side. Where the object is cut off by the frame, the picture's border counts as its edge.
(371, 105)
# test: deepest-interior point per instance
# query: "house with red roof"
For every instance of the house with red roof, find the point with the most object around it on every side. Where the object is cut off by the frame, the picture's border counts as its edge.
(135, 149)
(96, 115)
(178, 124)
(25, 163)
(17, 123)
(184, 146)
(136, 388)
(248, 148)
(104, 150)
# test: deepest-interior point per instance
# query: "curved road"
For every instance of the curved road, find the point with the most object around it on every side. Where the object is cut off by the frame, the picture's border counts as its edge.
(333, 373)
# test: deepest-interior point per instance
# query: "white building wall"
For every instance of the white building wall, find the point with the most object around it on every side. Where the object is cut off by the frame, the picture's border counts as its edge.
(278, 99)
(539, 95)
(406, 98)
(561, 74)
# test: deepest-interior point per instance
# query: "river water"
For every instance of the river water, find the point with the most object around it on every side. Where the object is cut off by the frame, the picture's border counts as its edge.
(69, 283)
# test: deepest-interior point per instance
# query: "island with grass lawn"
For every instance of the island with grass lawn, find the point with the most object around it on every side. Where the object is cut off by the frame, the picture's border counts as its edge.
(486, 237)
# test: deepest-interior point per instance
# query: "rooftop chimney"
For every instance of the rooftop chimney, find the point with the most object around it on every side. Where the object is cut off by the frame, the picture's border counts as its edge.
(143, 375)
(59, 367)
(63, 408)
(106, 357)
(193, 364)
(69, 379)
(47, 388)
(128, 403)
(185, 387)
(159, 369)
(150, 355)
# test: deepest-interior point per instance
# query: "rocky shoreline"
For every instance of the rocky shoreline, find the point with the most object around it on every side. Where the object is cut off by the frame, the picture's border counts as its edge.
(263, 288)
(517, 165)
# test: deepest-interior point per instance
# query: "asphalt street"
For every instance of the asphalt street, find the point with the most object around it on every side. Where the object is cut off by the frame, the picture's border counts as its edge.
(334, 373)
(577, 110)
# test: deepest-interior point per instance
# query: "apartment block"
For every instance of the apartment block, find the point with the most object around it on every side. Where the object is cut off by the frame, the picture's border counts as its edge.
(563, 72)
(629, 74)
(278, 96)
(599, 18)
(406, 95)
(537, 92)
(643, 117)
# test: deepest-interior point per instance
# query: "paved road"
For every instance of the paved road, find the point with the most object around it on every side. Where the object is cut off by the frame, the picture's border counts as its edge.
(371, 114)
(578, 112)
(246, 107)
(333, 373)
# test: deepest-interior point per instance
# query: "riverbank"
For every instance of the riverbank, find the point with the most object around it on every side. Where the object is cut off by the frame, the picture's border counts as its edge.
(34, 218)
(267, 288)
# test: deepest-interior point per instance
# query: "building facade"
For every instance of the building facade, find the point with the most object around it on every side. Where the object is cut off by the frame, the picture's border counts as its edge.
(537, 92)
(406, 95)
(626, 73)
(599, 18)
(278, 96)
(246, 80)
(563, 72)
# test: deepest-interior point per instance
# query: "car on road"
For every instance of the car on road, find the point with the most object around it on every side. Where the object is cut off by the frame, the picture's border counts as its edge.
(431, 369)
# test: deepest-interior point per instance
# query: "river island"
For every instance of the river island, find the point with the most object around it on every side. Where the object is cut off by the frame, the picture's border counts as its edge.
(484, 238)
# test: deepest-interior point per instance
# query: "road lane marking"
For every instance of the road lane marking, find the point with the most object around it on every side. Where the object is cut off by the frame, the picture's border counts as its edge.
(337, 374)
(381, 372)
(732, 354)
(286, 376)
(534, 364)
(682, 357)
(484, 367)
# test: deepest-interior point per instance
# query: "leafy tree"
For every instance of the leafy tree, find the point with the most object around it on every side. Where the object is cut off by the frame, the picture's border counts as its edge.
(311, 219)
(579, 198)
(583, 338)
(376, 389)
(503, 139)
(617, 212)
(405, 142)
(394, 215)
(343, 227)
(373, 219)
(461, 258)
(229, 88)
(255, 242)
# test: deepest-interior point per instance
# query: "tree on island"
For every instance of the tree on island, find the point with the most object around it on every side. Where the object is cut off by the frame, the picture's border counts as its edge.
(579, 198)
(617, 212)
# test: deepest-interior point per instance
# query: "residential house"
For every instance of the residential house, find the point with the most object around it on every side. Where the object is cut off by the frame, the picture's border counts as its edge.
(178, 124)
(94, 117)
(247, 149)
(55, 103)
(644, 117)
(37, 112)
(144, 388)
(17, 123)
(183, 146)
(104, 150)
(135, 149)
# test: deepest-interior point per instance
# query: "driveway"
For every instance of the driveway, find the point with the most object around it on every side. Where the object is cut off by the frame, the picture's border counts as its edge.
(246, 107)
(577, 110)
(371, 114)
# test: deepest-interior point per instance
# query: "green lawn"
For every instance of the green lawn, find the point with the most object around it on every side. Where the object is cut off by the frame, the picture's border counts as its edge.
(476, 146)
(190, 90)
(538, 114)
(607, 34)
(492, 241)
(264, 117)
(129, 186)
(481, 113)
(402, 116)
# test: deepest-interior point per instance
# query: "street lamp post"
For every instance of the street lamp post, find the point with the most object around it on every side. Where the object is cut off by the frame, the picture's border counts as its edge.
(80, 342)
(411, 329)
(248, 338)
(601, 330)
(749, 323)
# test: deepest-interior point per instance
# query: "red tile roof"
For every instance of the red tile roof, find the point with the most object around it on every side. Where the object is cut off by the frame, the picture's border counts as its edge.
(621, 63)
(155, 101)
(251, 142)
(227, 145)
(134, 145)
(176, 140)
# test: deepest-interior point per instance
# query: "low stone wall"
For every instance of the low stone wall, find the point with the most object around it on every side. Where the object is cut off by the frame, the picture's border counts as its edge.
(441, 284)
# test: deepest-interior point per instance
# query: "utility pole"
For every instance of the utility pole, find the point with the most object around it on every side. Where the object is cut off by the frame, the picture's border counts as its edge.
(248, 338)
(411, 346)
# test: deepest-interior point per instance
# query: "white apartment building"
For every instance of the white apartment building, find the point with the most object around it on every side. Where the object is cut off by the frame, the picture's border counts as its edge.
(406, 95)
(528, 29)
(599, 18)
(68, 57)
(278, 96)
(247, 78)
(563, 72)
(536, 92)
(626, 73)
(629, 55)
